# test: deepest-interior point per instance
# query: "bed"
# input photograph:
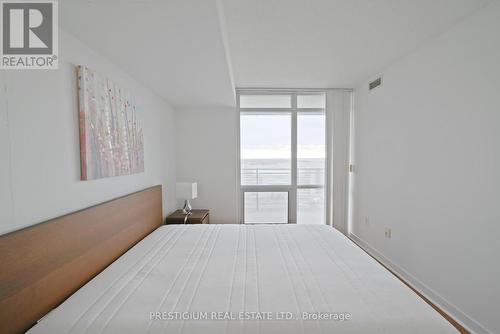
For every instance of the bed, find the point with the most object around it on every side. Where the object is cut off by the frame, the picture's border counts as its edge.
(243, 279)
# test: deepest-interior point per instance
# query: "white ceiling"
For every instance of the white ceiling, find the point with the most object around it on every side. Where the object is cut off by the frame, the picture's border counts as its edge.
(330, 43)
(188, 50)
(174, 47)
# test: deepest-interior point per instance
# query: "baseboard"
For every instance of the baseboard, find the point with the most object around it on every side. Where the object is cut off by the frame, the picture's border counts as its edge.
(451, 310)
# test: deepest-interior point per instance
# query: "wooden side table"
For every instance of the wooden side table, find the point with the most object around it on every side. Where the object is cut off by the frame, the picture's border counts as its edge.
(201, 216)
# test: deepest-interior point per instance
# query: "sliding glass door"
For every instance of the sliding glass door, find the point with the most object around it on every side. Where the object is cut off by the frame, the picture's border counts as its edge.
(282, 157)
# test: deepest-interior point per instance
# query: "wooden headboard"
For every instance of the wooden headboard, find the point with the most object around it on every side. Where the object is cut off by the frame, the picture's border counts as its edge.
(42, 265)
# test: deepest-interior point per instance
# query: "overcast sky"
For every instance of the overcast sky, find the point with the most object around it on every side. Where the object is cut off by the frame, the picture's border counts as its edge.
(269, 136)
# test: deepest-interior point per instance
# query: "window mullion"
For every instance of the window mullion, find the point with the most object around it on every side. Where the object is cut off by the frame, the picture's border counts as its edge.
(293, 192)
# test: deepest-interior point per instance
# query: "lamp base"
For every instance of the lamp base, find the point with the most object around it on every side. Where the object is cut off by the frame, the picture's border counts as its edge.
(187, 208)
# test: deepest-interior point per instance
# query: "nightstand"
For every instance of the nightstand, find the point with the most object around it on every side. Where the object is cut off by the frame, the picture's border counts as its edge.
(197, 217)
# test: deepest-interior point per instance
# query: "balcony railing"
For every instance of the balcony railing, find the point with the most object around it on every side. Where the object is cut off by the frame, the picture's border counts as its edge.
(281, 176)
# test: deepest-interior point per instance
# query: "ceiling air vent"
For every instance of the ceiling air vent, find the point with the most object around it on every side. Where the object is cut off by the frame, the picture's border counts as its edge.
(375, 83)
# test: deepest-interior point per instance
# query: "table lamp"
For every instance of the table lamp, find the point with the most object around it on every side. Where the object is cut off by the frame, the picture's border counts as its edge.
(186, 191)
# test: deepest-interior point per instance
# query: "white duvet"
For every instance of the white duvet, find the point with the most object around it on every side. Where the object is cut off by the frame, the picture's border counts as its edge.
(244, 279)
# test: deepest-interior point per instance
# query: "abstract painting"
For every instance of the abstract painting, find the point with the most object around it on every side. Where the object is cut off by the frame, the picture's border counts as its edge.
(111, 138)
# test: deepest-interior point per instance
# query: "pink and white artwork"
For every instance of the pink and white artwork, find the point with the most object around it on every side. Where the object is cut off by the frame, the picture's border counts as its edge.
(111, 138)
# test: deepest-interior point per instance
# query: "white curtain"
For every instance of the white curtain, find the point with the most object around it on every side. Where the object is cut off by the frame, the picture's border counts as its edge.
(338, 111)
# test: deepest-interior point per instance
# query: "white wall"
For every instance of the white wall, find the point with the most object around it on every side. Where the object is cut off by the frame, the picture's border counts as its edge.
(39, 145)
(428, 166)
(207, 142)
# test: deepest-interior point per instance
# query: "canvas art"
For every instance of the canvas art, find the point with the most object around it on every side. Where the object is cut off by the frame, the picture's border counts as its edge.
(111, 137)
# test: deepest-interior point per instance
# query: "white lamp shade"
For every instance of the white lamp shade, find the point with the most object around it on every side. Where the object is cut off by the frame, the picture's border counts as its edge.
(186, 190)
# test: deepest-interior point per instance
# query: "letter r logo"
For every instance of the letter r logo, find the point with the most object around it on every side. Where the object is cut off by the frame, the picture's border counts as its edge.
(27, 28)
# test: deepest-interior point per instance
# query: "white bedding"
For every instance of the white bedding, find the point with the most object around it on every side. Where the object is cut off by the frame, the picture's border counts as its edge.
(238, 270)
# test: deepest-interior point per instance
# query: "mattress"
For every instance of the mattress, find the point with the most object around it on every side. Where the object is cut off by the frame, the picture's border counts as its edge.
(244, 279)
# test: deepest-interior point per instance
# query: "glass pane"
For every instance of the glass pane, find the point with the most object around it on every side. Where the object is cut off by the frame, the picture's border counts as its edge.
(310, 206)
(265, 101)
(266, 208)
(266, 149)
(310, 148)
(311, 101)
